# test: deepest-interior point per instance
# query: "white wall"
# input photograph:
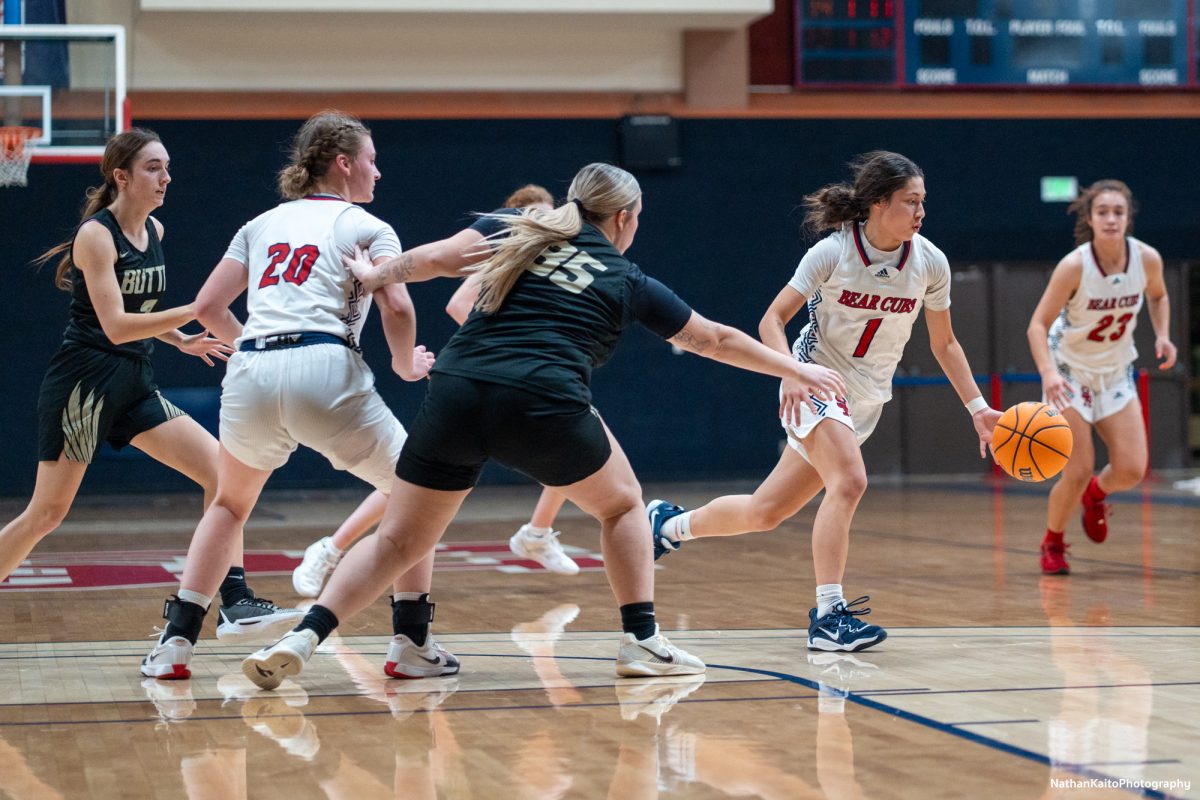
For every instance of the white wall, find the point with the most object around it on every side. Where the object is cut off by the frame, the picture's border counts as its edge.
(413, 45)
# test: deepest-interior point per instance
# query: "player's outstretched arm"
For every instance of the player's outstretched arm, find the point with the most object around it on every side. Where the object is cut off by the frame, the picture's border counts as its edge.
(441, 259)
(953, 361)
(95, 255)
(730, 346)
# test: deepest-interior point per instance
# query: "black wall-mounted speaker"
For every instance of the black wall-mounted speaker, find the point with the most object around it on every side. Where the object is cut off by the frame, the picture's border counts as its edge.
(649, 142)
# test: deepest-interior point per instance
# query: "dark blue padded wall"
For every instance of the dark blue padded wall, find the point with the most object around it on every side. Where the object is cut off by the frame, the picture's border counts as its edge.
(722, 230)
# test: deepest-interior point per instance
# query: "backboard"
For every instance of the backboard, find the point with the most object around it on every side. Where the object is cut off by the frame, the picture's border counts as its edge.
(69, 82)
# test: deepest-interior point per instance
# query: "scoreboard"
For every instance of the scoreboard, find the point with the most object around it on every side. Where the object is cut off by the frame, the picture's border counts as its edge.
(982, 43)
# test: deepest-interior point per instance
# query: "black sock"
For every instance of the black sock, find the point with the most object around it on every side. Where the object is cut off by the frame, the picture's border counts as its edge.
(412, 618)
(320, 620)
(638, 619)
(183, 619)
(234, 587)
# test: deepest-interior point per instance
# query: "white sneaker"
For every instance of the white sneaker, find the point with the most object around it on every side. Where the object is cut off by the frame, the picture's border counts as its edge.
(545, 550)
(169, 660)
(255, 619)
(655, 656)
(654, 697)
(269, 666)
(406, 660)
(319, 560)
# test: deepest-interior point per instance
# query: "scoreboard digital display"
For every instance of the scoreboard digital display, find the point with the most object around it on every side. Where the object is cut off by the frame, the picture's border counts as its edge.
(974, 43)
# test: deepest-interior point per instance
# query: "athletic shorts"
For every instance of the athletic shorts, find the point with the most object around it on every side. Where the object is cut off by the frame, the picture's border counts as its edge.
(90, 396)
(321, 396)
(464, 422)
(858, 416)
(1096, 397)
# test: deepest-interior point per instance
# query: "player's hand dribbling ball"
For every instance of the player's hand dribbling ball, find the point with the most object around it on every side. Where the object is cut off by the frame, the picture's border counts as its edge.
(1032, 442)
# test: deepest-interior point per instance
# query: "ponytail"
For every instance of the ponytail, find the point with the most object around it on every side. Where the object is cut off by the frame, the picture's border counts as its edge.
(877, 175)
(597, 193)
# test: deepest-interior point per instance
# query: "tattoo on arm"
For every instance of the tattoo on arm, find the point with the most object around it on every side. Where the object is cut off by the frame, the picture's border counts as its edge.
(698, 344)
(399, 269)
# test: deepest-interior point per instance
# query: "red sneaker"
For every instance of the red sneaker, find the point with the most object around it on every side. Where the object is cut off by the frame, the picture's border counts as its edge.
(1095, 515)
(1054, 559)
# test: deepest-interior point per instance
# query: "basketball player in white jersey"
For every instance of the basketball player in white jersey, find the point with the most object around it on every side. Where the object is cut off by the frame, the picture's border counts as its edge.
(298, 377)
(864, 286)
(1081, 337)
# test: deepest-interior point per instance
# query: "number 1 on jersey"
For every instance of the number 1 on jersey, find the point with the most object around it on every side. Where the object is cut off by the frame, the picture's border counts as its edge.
(864, 341)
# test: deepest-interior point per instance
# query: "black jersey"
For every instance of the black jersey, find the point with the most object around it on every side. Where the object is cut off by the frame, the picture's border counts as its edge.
(142, 277)
(562, 318)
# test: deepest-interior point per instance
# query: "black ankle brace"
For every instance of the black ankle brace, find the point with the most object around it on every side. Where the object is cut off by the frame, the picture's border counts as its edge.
(413, 618)
(183, 619)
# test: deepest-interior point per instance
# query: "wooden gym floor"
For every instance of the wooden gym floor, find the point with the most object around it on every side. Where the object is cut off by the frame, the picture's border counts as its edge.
(995, 681)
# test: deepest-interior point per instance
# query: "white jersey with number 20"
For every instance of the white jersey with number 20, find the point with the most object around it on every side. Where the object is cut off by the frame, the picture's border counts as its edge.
(296, 280)
(862, 303)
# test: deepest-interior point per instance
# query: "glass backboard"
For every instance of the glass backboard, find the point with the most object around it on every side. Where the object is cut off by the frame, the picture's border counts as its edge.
(68, 81)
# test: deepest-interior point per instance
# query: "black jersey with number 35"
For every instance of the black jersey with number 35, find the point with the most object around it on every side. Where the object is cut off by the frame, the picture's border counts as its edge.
(561, 319)
(142, 278)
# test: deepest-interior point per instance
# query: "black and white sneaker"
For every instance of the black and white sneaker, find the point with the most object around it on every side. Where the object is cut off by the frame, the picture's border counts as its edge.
(841, 630)
(256, 619)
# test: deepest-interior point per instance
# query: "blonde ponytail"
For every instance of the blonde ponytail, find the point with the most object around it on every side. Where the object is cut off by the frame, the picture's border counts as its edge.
(597, 193)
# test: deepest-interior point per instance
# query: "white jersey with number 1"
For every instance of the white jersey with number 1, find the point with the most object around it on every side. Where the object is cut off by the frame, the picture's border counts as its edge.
(296, 280)
(862, 303)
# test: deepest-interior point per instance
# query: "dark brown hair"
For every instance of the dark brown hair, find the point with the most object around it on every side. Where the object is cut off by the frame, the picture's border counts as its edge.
(120, 153)
(1082, 207)
(877, 175)
(320, 140)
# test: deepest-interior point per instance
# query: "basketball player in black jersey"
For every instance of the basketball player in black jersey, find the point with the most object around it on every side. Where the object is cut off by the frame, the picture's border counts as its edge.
(100, 385)
(556, 292)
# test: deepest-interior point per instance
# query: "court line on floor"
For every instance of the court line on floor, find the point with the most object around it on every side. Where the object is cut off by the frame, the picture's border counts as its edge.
(858, 699)
(929, 722)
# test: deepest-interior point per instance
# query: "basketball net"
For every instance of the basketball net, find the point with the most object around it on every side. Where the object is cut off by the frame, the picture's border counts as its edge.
(14, 155)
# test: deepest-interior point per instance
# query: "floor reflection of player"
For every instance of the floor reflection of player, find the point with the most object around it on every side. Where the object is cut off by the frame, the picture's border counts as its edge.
(538, 638)
(1107, 699)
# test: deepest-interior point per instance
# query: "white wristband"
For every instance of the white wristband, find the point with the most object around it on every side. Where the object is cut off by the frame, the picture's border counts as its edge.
(976, 405)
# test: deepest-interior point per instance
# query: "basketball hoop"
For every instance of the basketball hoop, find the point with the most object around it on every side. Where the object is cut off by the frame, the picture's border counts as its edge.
(15, 155)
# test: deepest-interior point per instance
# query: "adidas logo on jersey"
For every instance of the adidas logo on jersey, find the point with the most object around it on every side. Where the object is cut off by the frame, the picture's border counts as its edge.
(883, 273)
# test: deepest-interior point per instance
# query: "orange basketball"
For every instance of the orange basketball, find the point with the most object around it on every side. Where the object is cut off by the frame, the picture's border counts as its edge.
(1032, 442)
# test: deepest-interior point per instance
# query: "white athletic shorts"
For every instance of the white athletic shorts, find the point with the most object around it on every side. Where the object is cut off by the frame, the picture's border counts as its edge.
(1096, 397)
(858, 416)
(321, 396)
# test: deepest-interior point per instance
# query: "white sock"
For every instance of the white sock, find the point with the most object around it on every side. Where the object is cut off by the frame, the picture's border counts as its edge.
(331, 547)
(187, 595)
(540, 533)
(679, 528)
(828, 594)
(412, 596)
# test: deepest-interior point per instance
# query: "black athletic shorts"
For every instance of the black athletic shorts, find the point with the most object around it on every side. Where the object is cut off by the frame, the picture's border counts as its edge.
(464, 422)
(90, 396)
